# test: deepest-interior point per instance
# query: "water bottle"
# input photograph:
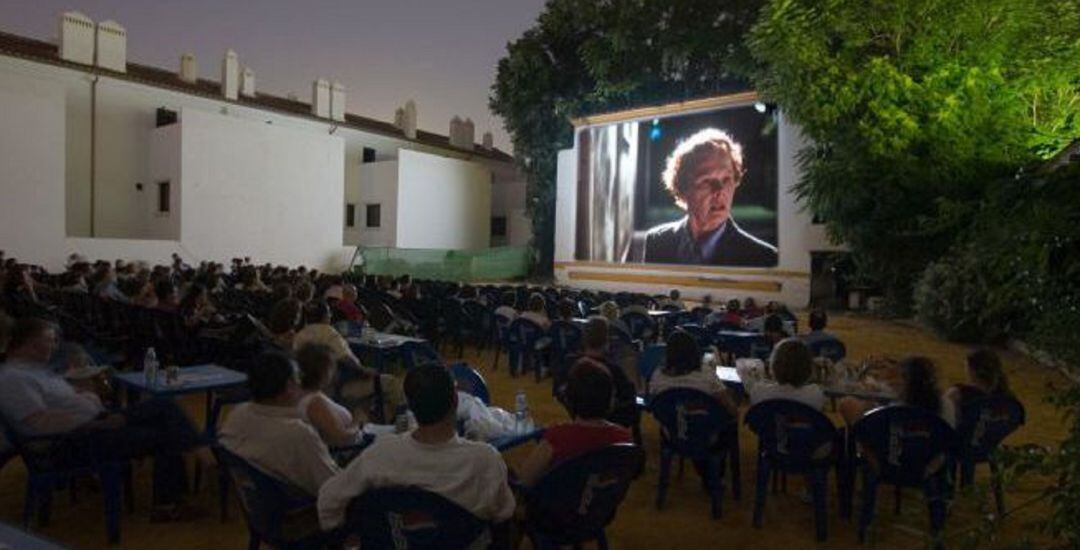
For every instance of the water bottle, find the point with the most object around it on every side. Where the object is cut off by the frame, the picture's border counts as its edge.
(401, 419)
(521, 412)
(150, 367)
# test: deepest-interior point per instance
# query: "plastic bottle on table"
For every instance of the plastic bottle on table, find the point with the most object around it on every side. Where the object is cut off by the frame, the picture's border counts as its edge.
(401, 420)
(150, 367)
(522, 422)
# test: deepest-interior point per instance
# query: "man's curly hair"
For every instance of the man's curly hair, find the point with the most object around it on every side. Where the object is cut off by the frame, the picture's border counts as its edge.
(693, 150)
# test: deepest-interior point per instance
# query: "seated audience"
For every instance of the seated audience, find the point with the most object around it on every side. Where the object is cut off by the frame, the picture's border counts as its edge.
(731, 315)
(774, 331)
(432, 458)
(589, 394)
(684, 368)
(36, 400)
(195, 307)
(145, 295)
(986, 378)
(537, 312)
(566, 309)
(346, 307)
(334, 423)
(165, 292)
(918, 388)
(594, 343)
(506, 309)
(750, 309)
(792, 366)
(818, 320)
(672, 300)
(609, 310)
(105, 285)
(284, 319)
(269, 433)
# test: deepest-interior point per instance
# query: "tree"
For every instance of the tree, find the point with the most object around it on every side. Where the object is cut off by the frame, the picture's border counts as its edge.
(914, 108)
(591, 56)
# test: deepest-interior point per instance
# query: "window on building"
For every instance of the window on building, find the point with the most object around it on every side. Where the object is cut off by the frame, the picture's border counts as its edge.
(368, 155)
(498, 226)
(165, 117)
(374, 215)
(163, 197)
(350, 215)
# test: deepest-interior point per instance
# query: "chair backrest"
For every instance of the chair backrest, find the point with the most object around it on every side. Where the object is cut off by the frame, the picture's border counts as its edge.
(524, 333)
(415, 354)
(700, 313)
(791, 434)
(470, 381)
(401, 518)
(575, 500)
(264, 499)
(565, 339)
(641, 326)
(683, 317)
(831, 349)
(651, 358)
(702, 336)
(985, 422)
(741, 344)
(903, 441)
(692, 420)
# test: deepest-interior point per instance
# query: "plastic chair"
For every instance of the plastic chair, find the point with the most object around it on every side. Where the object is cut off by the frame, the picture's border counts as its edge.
(651, 358)
(695, 426)
(502, 337)
(984, 424)
(565, 341)
(414, 354)
(832, 349)
(641, 326)
(899, 444)
(47, 471)
(416, 519)
(797, 439)
(522, 337)
(268, 505)
(577, 499)
(702, 336)
(470, 381)
(740, 344)
(479, 323)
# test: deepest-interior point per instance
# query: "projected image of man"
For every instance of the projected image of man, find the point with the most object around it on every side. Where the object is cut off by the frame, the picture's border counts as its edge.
(702, 174)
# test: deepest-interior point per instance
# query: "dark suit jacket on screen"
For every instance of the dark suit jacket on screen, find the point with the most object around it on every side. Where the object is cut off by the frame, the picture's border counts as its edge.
(671, 243)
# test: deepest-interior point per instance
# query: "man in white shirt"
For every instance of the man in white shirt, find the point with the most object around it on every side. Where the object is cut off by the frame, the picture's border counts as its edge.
(269, 432)
(432, 458)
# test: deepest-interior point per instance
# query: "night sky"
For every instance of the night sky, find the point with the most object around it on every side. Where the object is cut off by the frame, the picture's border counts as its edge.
(441, 53)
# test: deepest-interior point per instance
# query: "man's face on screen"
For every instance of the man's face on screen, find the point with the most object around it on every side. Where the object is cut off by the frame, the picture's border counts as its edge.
(709, 191)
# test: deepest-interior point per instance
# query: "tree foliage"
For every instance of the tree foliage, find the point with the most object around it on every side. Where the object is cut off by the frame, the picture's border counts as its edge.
(914, 108)
(591, 56)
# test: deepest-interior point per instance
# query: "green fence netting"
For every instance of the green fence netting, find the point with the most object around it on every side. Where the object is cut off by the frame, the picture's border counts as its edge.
(499, 263)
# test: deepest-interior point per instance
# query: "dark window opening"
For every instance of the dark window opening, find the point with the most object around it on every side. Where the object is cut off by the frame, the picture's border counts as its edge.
(368, 155)
(498, 226)
(350, 215)
(166, 117)
(163, 196)
(374, 215)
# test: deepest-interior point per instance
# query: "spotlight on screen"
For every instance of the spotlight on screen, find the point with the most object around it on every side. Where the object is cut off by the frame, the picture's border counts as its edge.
(656, 133)
(760, 107)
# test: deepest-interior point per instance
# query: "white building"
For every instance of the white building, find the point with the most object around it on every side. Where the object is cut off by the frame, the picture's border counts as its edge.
(142, 162)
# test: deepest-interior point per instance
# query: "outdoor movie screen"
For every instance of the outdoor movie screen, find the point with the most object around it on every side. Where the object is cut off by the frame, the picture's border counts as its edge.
(694, 189)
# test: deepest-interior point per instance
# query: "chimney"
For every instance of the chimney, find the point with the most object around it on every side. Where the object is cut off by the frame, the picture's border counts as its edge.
(76, 38)
(337, 101)
(409, 125)
(111, 46)
(189, 68)
(230, 75)
(399, 119)
(468, 134)
(455, 131)
(320, 98)
(488, 141)
(247, 82)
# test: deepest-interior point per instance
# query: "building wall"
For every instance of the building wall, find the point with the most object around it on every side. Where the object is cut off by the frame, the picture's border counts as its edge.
(31, 172)
(259, 190)
(165, 161)
(442, 203)
(788, 282)
(378, 184)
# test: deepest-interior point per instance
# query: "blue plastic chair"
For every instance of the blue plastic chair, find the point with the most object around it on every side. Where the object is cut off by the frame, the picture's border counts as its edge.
(651, 358)
(701, 336)
(832, 349)
(415, 519)
(984, 424)
(741, 344)
(898, 444)
(795, 439)
(415, 354)
(642, 327)
(470, 381)
(502, 337)
(565, 342)
(522, 338)
(695, 426)
(268, 504)
(575, 501)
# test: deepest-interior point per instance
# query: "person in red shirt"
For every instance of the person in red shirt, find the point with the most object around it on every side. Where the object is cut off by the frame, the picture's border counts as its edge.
(347, 307)
(589, 395)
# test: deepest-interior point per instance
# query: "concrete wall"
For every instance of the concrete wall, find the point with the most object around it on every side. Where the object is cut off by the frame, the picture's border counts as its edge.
(442, 203)
(165, 161)
(797, 237)
(259, 190)
(378, 185)
(31, 172)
